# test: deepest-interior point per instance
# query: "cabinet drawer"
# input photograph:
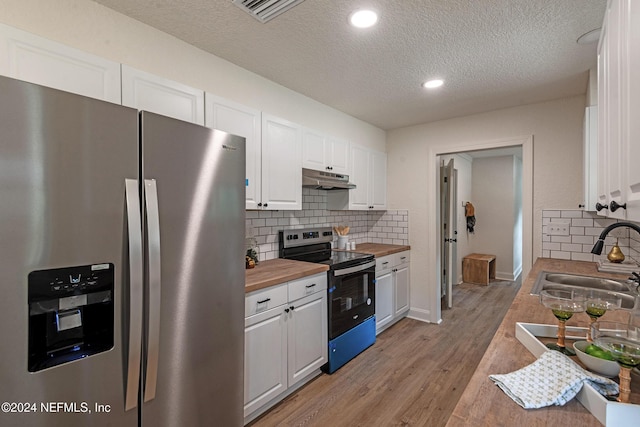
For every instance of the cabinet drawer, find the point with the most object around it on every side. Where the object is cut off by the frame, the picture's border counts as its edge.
(307, 285)
(265, 299)
(401, 258)
(384, 263)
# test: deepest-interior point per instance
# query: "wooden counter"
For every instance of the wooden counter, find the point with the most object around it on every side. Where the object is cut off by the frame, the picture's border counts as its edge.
(380, 249)
(485, 404)
(276, 271)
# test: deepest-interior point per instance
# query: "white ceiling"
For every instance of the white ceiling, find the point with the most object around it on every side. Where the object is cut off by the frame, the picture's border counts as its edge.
(491, 53)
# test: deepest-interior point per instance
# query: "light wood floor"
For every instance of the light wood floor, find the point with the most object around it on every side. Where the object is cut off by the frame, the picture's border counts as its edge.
(412, 376)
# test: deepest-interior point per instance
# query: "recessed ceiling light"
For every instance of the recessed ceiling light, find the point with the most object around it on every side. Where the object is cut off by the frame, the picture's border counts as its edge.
(431, 84)
(363, 18)
(589, 37)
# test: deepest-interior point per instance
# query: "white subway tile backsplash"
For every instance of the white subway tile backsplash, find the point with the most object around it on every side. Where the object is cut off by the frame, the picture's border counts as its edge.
(583, 233)
(550, 214)
(560, 255)
(585, 240)
(573, 231)
(571, 214)
(582, 222)
(378, 227)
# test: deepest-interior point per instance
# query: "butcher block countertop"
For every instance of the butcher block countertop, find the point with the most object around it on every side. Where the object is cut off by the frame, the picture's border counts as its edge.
(485, 404)
(380, 249)
(276, 271)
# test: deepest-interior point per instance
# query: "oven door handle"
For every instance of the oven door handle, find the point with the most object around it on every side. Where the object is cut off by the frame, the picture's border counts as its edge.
(349, 270)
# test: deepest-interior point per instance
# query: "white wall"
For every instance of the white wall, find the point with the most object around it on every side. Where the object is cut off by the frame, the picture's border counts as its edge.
(96, 29)
(556, 127)
(494, 195)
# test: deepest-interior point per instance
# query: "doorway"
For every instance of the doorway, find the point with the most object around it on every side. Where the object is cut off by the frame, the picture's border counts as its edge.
(523, 220)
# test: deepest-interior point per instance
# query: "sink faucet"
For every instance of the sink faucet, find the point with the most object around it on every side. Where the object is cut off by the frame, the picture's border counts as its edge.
(597, 248)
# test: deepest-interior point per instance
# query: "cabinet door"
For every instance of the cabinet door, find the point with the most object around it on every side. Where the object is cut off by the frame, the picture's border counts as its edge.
(590, 144)
(603, 118)
(37, 60)
(384, 300)
(337, 155)
(148, 92)
(281, 164)
(265, 358)
(402, 290)
(632, 137)
(378, 180)
(308, 342)
(359, 197)
(614, 96)
(313, 150)
(246, 122)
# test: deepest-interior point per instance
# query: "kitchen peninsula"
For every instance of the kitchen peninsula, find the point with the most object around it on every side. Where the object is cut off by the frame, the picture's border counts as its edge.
(485, 404)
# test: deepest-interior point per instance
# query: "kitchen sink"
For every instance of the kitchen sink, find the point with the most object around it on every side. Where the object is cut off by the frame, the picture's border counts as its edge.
(563, 281)
(586, 282)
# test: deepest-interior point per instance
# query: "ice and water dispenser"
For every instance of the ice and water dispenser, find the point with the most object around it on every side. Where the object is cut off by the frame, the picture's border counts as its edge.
(70, 314)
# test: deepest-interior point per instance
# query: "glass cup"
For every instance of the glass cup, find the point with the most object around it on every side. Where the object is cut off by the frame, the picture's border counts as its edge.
(563, 304)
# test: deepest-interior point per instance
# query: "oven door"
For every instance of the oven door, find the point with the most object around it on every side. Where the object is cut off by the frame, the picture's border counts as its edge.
(351, 297)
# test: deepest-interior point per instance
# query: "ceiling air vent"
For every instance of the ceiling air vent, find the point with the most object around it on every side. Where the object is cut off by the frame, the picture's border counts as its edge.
(265, 10)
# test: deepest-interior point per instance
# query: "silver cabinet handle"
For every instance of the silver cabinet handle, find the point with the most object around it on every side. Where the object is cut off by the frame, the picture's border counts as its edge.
(134, 229)
(155, 284)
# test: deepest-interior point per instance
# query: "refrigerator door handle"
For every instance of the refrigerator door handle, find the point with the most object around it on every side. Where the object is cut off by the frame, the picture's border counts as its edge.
(154, 283)
(134, 228)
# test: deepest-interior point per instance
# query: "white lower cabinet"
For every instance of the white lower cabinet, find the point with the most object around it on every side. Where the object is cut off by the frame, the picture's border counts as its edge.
(285, 340)
(392, 289)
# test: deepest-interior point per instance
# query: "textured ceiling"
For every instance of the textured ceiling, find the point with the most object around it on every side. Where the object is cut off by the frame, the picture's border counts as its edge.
(491, 53)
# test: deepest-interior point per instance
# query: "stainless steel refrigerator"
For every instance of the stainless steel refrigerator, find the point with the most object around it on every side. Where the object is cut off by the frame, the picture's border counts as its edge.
(121, 265)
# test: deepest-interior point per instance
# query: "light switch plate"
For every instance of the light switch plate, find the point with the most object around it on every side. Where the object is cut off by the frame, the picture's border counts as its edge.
(558, 228)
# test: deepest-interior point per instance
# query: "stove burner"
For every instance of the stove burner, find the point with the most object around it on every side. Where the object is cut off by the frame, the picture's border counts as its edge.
(314, 245)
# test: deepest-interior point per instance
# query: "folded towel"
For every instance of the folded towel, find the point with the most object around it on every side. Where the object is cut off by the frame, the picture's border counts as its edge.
(553, 379)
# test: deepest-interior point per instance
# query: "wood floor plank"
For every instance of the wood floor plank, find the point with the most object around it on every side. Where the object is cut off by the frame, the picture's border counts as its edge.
(412, 376)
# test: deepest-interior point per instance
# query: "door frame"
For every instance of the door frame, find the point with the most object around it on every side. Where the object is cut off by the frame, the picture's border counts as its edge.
(433, 215)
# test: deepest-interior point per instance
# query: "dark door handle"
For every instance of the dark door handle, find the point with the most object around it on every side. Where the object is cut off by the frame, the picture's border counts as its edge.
(615, 206)
(600, 206)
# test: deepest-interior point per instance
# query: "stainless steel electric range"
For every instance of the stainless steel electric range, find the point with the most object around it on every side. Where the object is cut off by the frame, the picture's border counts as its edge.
(351, 290)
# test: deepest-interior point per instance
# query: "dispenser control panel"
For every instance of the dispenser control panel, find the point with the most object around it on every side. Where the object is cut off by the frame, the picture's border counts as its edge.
(71, 314)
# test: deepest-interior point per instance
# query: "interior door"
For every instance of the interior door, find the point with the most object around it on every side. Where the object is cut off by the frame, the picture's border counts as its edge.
(448, 230)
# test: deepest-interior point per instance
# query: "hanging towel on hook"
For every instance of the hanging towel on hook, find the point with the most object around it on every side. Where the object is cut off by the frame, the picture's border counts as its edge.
(470, 213)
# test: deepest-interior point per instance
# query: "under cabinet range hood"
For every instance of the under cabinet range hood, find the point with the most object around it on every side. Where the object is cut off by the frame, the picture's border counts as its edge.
(325, 180)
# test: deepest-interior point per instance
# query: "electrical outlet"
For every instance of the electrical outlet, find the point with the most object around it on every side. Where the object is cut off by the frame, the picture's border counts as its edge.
(558, 228)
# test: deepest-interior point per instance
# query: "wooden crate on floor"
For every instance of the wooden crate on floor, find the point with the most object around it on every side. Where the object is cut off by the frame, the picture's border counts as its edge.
(478, 268)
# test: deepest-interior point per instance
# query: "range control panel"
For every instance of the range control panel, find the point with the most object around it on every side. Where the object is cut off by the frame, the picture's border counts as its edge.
(306, 236)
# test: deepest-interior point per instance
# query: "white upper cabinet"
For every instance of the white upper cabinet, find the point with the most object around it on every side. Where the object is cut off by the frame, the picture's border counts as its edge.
(619, 99)
(324, 153)
(281, 164)
(34, 59)
(369, 174)
(590, 145)
(631, 130)
(378, 180)
(148, 92)
(243, 121)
